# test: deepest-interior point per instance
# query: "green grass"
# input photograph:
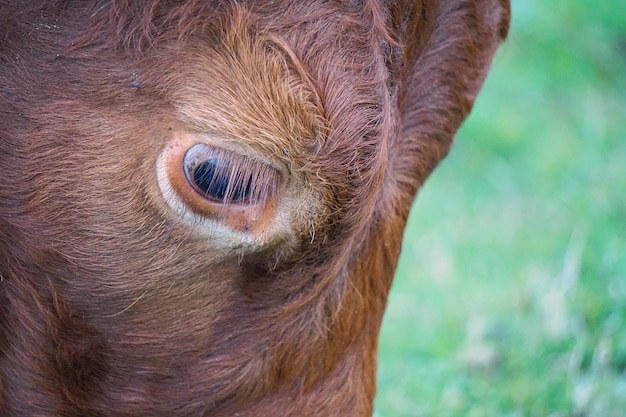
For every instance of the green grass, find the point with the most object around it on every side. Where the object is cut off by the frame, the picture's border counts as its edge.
(510, 296)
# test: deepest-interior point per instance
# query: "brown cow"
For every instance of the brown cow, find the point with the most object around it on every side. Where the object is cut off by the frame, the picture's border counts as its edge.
(202, 202)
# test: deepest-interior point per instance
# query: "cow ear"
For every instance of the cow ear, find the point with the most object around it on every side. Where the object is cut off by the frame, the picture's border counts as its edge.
(444, 50)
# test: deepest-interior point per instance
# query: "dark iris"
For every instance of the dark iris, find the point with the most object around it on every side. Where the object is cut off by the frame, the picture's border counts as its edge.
(213, 180)
(222, 176)
(205, 178)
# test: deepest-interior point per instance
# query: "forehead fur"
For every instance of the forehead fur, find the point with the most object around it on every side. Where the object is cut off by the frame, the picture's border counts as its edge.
(237, 83)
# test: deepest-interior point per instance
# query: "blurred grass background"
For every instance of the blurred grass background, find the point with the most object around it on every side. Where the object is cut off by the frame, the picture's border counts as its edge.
(510, 296)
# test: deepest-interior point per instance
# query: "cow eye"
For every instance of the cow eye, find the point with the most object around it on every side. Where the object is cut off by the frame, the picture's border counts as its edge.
(205, 182)
(222, 177)
(219, 177)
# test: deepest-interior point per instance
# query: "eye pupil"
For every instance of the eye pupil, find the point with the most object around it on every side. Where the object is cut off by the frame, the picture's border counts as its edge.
(205, 178)
(214, 181)
(224, 177)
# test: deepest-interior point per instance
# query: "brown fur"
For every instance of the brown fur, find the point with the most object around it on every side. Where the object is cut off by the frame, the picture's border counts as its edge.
(114, 304)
